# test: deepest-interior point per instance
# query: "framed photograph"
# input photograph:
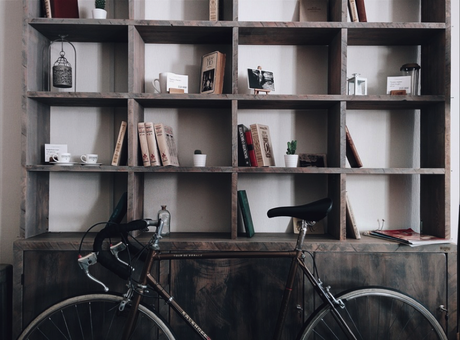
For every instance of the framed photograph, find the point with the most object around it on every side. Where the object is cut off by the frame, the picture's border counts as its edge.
(259, 79)
(312, 159)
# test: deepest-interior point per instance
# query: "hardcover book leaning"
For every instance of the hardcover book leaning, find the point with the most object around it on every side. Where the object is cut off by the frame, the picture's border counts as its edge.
(212, 73)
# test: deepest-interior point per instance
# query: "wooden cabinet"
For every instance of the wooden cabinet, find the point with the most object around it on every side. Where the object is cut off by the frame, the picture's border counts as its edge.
(237, 298)
(130, 48)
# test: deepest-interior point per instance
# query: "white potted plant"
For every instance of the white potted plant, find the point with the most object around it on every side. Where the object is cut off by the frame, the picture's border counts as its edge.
(290, 158)
(99, 12)
(199, 159)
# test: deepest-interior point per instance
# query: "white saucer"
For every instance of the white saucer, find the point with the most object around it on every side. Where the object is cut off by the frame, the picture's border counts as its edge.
(91, 164)
(64, 163)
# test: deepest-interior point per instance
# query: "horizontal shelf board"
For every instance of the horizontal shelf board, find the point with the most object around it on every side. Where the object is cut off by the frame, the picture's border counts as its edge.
(83, 30)
(245, 101)
(327, 170)
(249, 32)
(184, 100)
(213, 242)
(242, 170)
(185, 32)
(388, 102)
(109, 168)
(390, 34)
(87, 99)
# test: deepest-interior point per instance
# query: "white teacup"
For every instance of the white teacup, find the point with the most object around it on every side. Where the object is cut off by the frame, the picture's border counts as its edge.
(89, 158)
(61, 158)
(160, 84)
(168, 80)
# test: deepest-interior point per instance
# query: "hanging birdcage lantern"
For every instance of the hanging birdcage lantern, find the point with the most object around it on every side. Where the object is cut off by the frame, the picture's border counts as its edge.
(62, 70)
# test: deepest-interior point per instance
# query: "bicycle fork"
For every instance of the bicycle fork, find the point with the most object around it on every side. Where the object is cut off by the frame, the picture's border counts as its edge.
(327, 297)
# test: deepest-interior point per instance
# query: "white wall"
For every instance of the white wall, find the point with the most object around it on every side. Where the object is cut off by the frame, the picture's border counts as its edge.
(10, 103)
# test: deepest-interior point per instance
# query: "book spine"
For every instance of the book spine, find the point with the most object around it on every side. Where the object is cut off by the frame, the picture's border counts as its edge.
(162, 144)
(119, 144)
(152, 144)
(266, 146)
(351, 222)
(353, 10)
(213, 10)
(47, 9)
(361, 9)
(246, 212)
(251, 151)
(143, 144)
(171, 144)
(257, 144)
(351, 151)
(243, 155)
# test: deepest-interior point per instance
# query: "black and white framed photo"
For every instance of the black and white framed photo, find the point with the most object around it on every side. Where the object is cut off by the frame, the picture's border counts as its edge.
(259, 79)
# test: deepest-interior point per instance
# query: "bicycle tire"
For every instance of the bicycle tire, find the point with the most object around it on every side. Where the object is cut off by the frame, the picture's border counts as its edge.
(94, 316)
(374, 313)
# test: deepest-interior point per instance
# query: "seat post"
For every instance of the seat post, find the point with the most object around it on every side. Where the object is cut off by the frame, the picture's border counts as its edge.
(303, 232)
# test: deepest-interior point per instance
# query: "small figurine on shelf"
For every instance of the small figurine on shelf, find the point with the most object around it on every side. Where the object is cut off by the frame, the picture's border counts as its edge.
(99, 12)
(199, 159)
(290, 158)
(357, 85)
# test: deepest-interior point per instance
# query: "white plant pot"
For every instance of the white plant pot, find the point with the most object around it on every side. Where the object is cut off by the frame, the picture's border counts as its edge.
(199, 160)
(99, 13)
(291, 160)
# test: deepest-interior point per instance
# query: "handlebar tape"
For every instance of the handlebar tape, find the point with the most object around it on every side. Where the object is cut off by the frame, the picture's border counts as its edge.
(104, 257)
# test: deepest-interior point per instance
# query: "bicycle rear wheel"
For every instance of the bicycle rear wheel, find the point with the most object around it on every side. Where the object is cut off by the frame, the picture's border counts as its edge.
(94, 316)
(377, 314)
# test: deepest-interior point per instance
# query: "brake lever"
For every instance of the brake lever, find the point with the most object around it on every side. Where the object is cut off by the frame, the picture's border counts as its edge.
(89, 260)
(117, 248)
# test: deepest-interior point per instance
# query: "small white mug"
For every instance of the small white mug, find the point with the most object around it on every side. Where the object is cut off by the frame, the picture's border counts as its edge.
(159, 84)
(61, 158)
(89, 158)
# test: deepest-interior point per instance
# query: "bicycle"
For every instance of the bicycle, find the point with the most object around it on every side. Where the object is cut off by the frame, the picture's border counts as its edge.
(362, 313)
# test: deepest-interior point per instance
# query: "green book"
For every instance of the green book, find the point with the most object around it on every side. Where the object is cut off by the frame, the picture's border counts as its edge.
(246, 212)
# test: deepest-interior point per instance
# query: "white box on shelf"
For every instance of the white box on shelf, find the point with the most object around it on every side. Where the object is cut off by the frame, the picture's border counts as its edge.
(51, 149)
(398, 83)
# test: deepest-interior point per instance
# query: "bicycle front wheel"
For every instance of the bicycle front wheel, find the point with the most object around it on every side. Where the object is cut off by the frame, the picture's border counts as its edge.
(94, 316)
(377, 314)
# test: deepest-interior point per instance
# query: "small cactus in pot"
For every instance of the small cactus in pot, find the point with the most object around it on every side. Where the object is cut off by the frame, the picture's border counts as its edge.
(100, 4)
(99, 12)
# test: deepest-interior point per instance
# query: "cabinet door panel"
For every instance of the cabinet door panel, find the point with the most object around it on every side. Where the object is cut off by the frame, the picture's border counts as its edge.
(420, 275)
(234, 299)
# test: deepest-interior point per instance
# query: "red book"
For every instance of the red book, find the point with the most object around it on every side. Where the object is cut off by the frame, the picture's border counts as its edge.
(64, 8)
(250, 143)
(361, 10)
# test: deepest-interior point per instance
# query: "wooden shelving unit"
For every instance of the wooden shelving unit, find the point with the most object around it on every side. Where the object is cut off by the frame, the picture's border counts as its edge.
(134, 34)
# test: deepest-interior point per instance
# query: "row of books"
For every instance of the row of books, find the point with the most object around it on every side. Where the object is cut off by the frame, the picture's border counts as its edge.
(255, 146)
(157, 145)
(357, 10)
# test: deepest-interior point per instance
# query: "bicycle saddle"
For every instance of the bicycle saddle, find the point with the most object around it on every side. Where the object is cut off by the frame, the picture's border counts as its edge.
(311, 212)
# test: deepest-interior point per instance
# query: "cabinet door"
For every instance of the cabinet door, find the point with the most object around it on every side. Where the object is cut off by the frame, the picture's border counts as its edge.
(234, 299)
(420, 275)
